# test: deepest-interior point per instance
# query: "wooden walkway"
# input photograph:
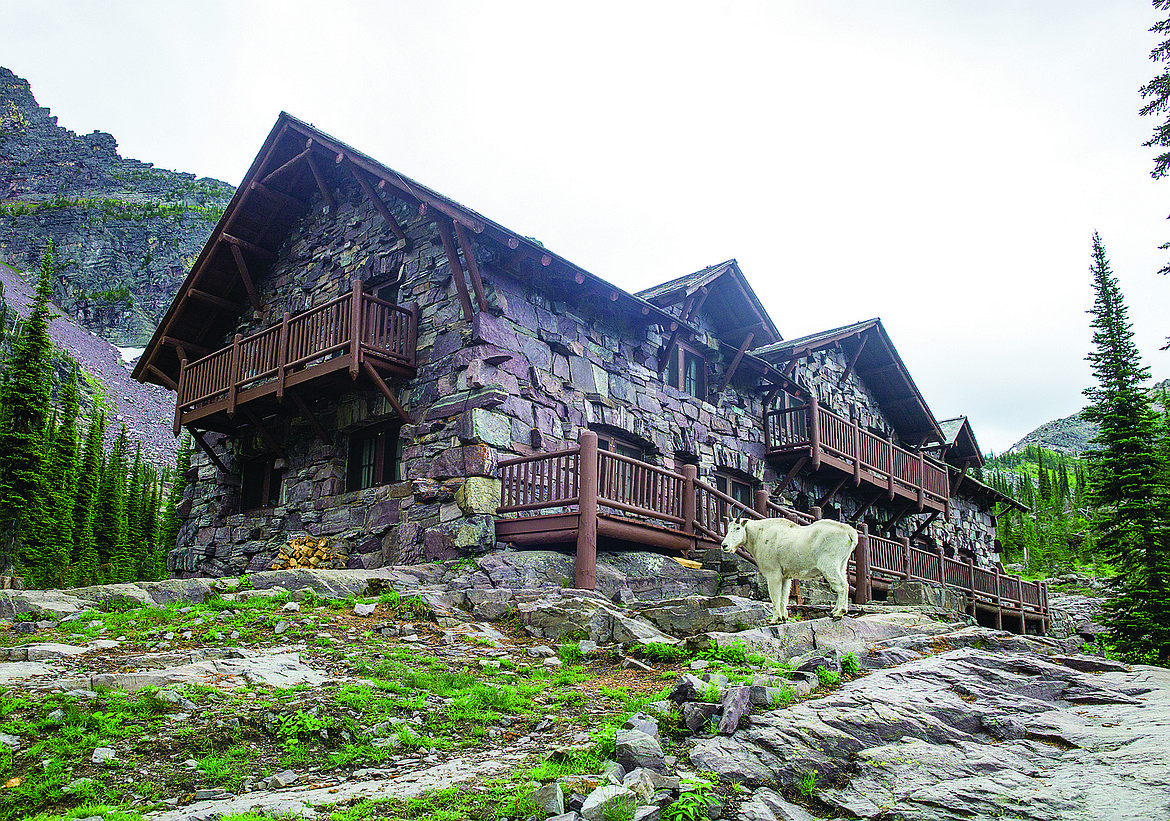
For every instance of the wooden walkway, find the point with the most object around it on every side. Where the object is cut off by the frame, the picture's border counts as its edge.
(582, 496)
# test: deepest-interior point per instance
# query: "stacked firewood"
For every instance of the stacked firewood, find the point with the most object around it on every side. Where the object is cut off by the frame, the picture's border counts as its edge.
(309, 551)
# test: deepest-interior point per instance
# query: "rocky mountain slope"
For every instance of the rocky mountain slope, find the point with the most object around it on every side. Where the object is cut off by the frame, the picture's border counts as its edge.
(106, 383)
(125, 231)
(446, 691)
(1072, 434)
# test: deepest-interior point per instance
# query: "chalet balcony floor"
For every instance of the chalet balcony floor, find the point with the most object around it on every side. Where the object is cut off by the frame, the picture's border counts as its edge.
(814, 436)
(323, 349)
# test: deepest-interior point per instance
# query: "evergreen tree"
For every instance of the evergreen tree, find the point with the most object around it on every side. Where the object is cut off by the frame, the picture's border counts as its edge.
(24, 402)
(109, 524)
(168, 531)
(1043, 485)
(1127, 476)
(59, 481)
(88, 477)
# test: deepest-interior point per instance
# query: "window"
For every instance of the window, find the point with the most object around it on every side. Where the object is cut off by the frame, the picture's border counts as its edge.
(260, 482)
(623, 447)
(737, 489)
(686, 369)
(374, 455)
(618, 481)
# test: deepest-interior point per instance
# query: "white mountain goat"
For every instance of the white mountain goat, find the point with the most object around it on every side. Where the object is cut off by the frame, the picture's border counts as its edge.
(785, 551)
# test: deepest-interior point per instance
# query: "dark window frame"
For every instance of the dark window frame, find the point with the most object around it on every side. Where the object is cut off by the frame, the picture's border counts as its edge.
(737, 487)
(261, 482)
(679, 374)
(374, 458)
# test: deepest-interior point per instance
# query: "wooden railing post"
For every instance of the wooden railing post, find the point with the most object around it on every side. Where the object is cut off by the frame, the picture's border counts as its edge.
(585, 577)
(921, 480)
(905, 557)
(412, 335)
(689, 507)
(179, 397)
(1045, 624)
(942, 565)
(234, 375)
(816, 512)
(355, 335)
(282, 356)
(856, 451)
(861, 566)
(998, 601)
(814, 432)
(890, 468)
(762, 503)
(971, 584)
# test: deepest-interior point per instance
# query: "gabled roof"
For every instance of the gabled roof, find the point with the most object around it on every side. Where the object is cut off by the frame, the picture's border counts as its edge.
(960, 445)
(876, 361)
(722, 293)
(972, 487)
(295, 162)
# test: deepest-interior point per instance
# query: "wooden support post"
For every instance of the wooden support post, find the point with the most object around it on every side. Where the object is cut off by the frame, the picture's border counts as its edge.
(250, 247)
(355, 328)
(971, 586)
(814, 432)
(747, 341)
(792, 471)
(179, 396)
(234, 375)
(269, 439)
(921, 480)
(905, 558)
(816, 513)
(166, 380)
(585, 576)
(314, 423)
(664, 357)
(282, 357)
(762, 503)
(925, 524)
(283, 199)
(696, 305)
(828, 497)
(455, 268)
(465, 246)
(890, 468)
(861, 567)
(212, 299)
(197, 437)
(942, 565)
(380, 383)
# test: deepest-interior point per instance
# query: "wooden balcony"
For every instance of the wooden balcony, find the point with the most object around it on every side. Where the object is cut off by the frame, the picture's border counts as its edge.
(582, 497)
(322, 348)
(823, 439)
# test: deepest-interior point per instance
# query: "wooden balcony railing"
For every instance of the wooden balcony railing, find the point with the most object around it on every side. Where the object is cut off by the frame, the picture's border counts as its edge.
(823, 436)
(338, 335)
(578, 493)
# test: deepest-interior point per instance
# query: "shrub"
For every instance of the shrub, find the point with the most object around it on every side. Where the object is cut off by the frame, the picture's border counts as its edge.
(808, 784)
(692, 805)
(657, 651)
(570, 653)
(827, 677)
(850, 666)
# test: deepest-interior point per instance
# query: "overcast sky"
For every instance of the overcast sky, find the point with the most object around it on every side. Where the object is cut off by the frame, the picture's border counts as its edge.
(941, 165)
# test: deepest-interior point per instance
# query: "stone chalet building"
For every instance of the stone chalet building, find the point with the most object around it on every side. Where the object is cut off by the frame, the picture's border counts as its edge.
(362, 359)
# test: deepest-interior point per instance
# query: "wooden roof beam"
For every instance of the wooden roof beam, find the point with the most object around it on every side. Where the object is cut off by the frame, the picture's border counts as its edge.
(472, 266)
(180, 344)
(697, 305)
(250, 247)
(322, 186)
(166, 380)
(373, 197)
(295, 161)
(455, 267)
(853, 359)
(212, 299)
(242, 267)
(279, 197)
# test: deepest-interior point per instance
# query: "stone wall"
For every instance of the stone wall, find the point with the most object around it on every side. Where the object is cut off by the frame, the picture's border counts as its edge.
(526, 375)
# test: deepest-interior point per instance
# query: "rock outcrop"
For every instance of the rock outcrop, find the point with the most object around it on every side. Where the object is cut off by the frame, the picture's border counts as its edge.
(125, 231)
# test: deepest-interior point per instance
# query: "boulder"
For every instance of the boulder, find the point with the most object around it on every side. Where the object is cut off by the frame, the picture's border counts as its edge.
(634, 749)
(606, 800)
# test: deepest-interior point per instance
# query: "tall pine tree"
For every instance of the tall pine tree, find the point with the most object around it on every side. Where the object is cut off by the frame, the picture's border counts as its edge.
(1127, 476)
(24, 402)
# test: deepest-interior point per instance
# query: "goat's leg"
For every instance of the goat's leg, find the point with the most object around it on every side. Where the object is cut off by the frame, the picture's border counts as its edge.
(838, 585)
(774, 593)
(785, 586)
